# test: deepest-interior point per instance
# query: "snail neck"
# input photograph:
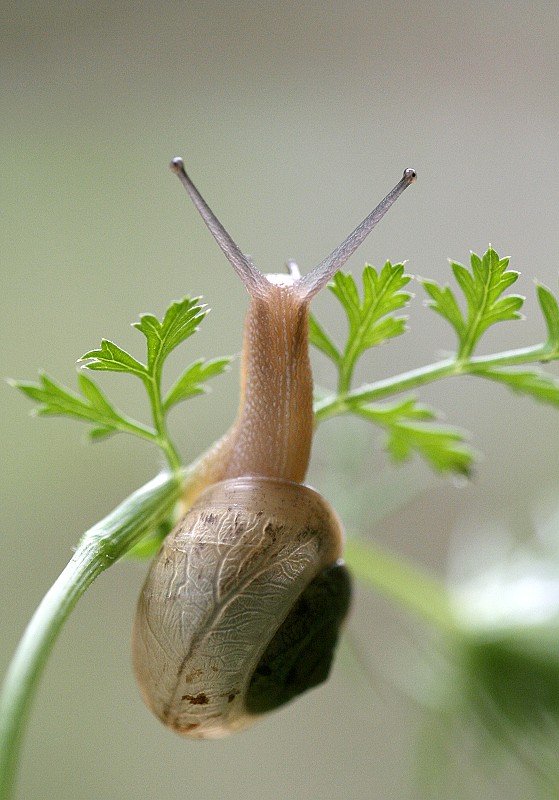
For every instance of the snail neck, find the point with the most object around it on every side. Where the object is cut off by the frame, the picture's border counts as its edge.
(273, 432)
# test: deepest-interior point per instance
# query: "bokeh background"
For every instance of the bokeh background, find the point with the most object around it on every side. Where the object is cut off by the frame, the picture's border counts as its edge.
(294, 120)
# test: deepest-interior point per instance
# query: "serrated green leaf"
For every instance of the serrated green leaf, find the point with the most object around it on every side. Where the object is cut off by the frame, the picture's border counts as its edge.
(465, 281)
(92, 406)
(371, 320)
(444, 303)
(112, 358)
(385, 329)
(181, 320)
(345, 289)
(539, 385)
(410, 428)
(550, 310)
(442, 447)
(382, 295)
(503, 309)
(95, 396)
(193, 379)
(382, 292)
(57, 400)
(482, 287)
(53, 398)
(320, 339)
(489, 279)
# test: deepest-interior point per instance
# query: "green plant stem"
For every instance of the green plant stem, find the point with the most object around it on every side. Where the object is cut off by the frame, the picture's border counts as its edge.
(171, 453)
(127, 425)
(100, 547)
(153, 384)
(423, 595)
(348, 365)
(334, 405)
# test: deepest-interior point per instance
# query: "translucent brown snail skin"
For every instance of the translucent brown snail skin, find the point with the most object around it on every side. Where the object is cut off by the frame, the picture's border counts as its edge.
(241, 609)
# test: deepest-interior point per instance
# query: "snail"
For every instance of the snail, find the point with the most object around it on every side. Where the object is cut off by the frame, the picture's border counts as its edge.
(241, 608)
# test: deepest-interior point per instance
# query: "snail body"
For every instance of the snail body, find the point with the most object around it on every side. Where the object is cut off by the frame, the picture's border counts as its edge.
(241, 608)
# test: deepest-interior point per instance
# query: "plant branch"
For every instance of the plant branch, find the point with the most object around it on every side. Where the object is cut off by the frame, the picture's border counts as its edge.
(100, 547)
(153, 388)
(336, 404)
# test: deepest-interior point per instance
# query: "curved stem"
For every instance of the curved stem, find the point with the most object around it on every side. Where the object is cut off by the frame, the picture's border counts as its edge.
(100, 547)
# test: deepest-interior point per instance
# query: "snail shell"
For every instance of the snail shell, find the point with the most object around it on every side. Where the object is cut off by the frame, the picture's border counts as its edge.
(241, 610)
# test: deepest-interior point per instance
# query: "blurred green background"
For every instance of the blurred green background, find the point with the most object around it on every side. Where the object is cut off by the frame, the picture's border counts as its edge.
(294, 120)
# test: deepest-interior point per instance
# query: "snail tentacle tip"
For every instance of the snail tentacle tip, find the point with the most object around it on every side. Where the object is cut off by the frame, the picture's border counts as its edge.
(177, 165)
(410, 175)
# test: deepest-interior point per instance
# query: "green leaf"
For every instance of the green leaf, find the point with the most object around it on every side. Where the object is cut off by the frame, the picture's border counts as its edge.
(382, 296)
(372, 320)
(539, 385)
(192, 381)
(444, 303)
(113, 358)
(92, 406)
(410, 428)
(320, 339)
(550, 310)
(181, 320)
(482, 287)
(95, 396)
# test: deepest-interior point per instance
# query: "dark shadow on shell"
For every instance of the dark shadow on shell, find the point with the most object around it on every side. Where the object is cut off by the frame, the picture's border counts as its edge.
(300, 654)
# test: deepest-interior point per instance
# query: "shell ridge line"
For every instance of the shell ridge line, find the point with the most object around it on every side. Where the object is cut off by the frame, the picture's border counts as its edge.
(208, 625)
(229, 555)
